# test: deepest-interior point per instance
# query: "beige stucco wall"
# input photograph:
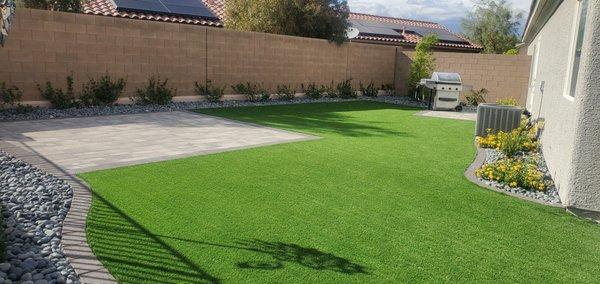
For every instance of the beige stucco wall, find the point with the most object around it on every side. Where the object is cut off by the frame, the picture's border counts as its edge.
(563, 114)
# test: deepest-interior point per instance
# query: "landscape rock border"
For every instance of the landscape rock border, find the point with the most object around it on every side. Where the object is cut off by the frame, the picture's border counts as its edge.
(35, 205)
(74, 244)
(48, 113)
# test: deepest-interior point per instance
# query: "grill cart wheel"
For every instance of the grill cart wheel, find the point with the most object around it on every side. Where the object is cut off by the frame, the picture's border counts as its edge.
(459, 108)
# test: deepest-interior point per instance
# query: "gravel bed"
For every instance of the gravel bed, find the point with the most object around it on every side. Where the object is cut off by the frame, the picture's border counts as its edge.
(34, 206)
(47, 113)
(549, 196)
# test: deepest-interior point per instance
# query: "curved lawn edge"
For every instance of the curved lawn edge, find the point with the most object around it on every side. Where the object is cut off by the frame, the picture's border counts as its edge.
(478, 163)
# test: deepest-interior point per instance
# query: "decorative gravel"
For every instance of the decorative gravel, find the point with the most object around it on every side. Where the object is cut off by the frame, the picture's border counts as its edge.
(549, 196)
(46, 113)
(34, 205)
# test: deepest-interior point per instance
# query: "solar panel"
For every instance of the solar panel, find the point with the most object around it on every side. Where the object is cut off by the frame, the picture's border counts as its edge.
(194, 8)
(153, 6)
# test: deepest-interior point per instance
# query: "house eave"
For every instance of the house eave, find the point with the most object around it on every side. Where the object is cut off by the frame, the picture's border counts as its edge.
(541, 12)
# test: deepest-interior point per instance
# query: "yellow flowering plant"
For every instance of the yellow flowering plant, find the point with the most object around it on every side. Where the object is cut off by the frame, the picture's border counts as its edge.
(524, 138)
(515, 173)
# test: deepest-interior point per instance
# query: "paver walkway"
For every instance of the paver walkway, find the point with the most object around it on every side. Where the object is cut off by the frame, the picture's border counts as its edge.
(92, 143)
(64, 147)
(465, 115)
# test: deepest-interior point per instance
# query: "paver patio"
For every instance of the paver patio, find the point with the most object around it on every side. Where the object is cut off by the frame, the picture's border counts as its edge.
(93, 143)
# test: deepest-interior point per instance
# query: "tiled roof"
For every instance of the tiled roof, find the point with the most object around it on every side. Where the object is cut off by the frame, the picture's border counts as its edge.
(108, 8)
(408, 38)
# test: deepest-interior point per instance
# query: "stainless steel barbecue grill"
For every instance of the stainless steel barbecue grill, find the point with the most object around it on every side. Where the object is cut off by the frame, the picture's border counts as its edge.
(445, 91)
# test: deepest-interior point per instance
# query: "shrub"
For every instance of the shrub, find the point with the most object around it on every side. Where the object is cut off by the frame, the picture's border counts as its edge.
(512, 51)
(285, 92)
(423, 62)
(155, 92)
(252, 92)
(389, 89)
(312, 91)
(345, 90)
(523, 138)
(57, 98)
(514, 173)
(9, 96)
(212, 93)
(330, 91)
(476, 97)
(102, 92)
(369, 90)
(507, 102)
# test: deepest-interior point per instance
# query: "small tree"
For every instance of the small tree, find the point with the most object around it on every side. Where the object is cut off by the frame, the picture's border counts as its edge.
(326, 19)
(423, 64)
(494, 25)
(73, 6)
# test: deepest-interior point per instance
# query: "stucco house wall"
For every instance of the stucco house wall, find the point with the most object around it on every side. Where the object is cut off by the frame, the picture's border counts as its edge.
(571, 136)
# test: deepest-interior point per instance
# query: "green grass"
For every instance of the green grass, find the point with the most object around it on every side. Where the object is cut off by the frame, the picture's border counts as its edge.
(380, 198)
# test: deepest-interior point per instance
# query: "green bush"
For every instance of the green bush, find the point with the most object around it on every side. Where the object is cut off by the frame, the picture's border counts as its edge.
(212, 93)
(330, 91)
(389, 89)
(369, 90)
(476, 97)
(286, 93)
(313, 91)
(155, 92)
(345, 90)
(507, 102)
(58, 98)
(9, 96)
(423, 62)
(252, 92)
(102, 92)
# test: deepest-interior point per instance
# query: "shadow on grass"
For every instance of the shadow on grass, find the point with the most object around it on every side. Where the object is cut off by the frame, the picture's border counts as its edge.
(133, 254)
(287, 253)
(315, 118)
(307, 257)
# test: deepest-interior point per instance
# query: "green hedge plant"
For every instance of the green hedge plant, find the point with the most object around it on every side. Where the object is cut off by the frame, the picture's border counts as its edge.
(9, 96)
(102, 92)
(212, 93)
(369, 90)
(252, 92)
(58, 98)
(345, 90)
(155, 92)
(312, 91)
(286, 93)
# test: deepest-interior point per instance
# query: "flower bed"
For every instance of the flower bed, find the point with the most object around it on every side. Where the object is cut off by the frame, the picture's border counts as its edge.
(514, 164)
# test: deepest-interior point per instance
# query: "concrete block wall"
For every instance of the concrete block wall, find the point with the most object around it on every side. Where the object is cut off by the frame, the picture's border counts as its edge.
(502, 75)
(48, 46)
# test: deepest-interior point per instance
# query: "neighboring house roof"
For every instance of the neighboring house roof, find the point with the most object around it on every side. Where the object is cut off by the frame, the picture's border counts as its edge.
(405, 32)
(397, 31)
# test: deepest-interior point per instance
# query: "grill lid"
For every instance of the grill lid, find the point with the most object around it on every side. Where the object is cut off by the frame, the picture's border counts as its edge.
(446, 78)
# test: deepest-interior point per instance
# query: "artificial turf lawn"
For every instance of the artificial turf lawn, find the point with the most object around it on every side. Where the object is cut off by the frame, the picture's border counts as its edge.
(380, 198)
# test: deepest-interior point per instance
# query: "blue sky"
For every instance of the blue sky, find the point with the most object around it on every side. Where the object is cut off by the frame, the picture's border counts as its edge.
(446, 12)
